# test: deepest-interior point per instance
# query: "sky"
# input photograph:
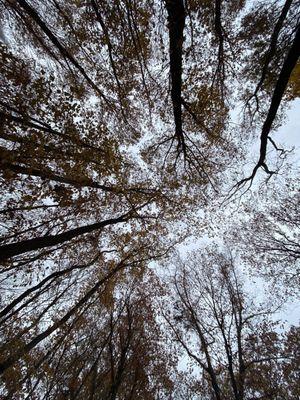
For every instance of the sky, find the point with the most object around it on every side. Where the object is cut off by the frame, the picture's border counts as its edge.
(289, 133)
(287, 137)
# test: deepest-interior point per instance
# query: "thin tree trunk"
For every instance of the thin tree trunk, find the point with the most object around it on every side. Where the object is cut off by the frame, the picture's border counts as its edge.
(281, 84)
(43, 335)
(31, 12)
(273, 43)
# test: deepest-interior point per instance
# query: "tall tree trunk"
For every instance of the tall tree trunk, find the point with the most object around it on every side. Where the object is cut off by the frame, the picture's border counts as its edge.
(176, 24)
(24, 246)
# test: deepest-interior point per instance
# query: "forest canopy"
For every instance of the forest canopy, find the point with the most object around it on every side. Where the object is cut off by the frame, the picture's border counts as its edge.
(149, 210)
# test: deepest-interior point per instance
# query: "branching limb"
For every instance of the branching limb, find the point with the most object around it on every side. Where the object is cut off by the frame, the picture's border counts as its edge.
(271, 50)
(280, 87)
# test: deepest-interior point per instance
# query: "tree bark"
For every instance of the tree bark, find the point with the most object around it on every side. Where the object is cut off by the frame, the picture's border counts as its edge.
(176, 24)
(280, 87)
(24, 246)
(282, 82)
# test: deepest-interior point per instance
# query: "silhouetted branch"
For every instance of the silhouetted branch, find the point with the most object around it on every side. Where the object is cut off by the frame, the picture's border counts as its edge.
(176, 24)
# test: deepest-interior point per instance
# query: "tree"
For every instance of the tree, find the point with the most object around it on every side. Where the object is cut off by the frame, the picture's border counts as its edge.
(115, 130)
(111, 349)
(230, 339)
(282, 50)
(269, 241)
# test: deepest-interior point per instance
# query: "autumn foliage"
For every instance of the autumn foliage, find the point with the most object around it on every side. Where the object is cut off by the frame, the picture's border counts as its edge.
(118, 145)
